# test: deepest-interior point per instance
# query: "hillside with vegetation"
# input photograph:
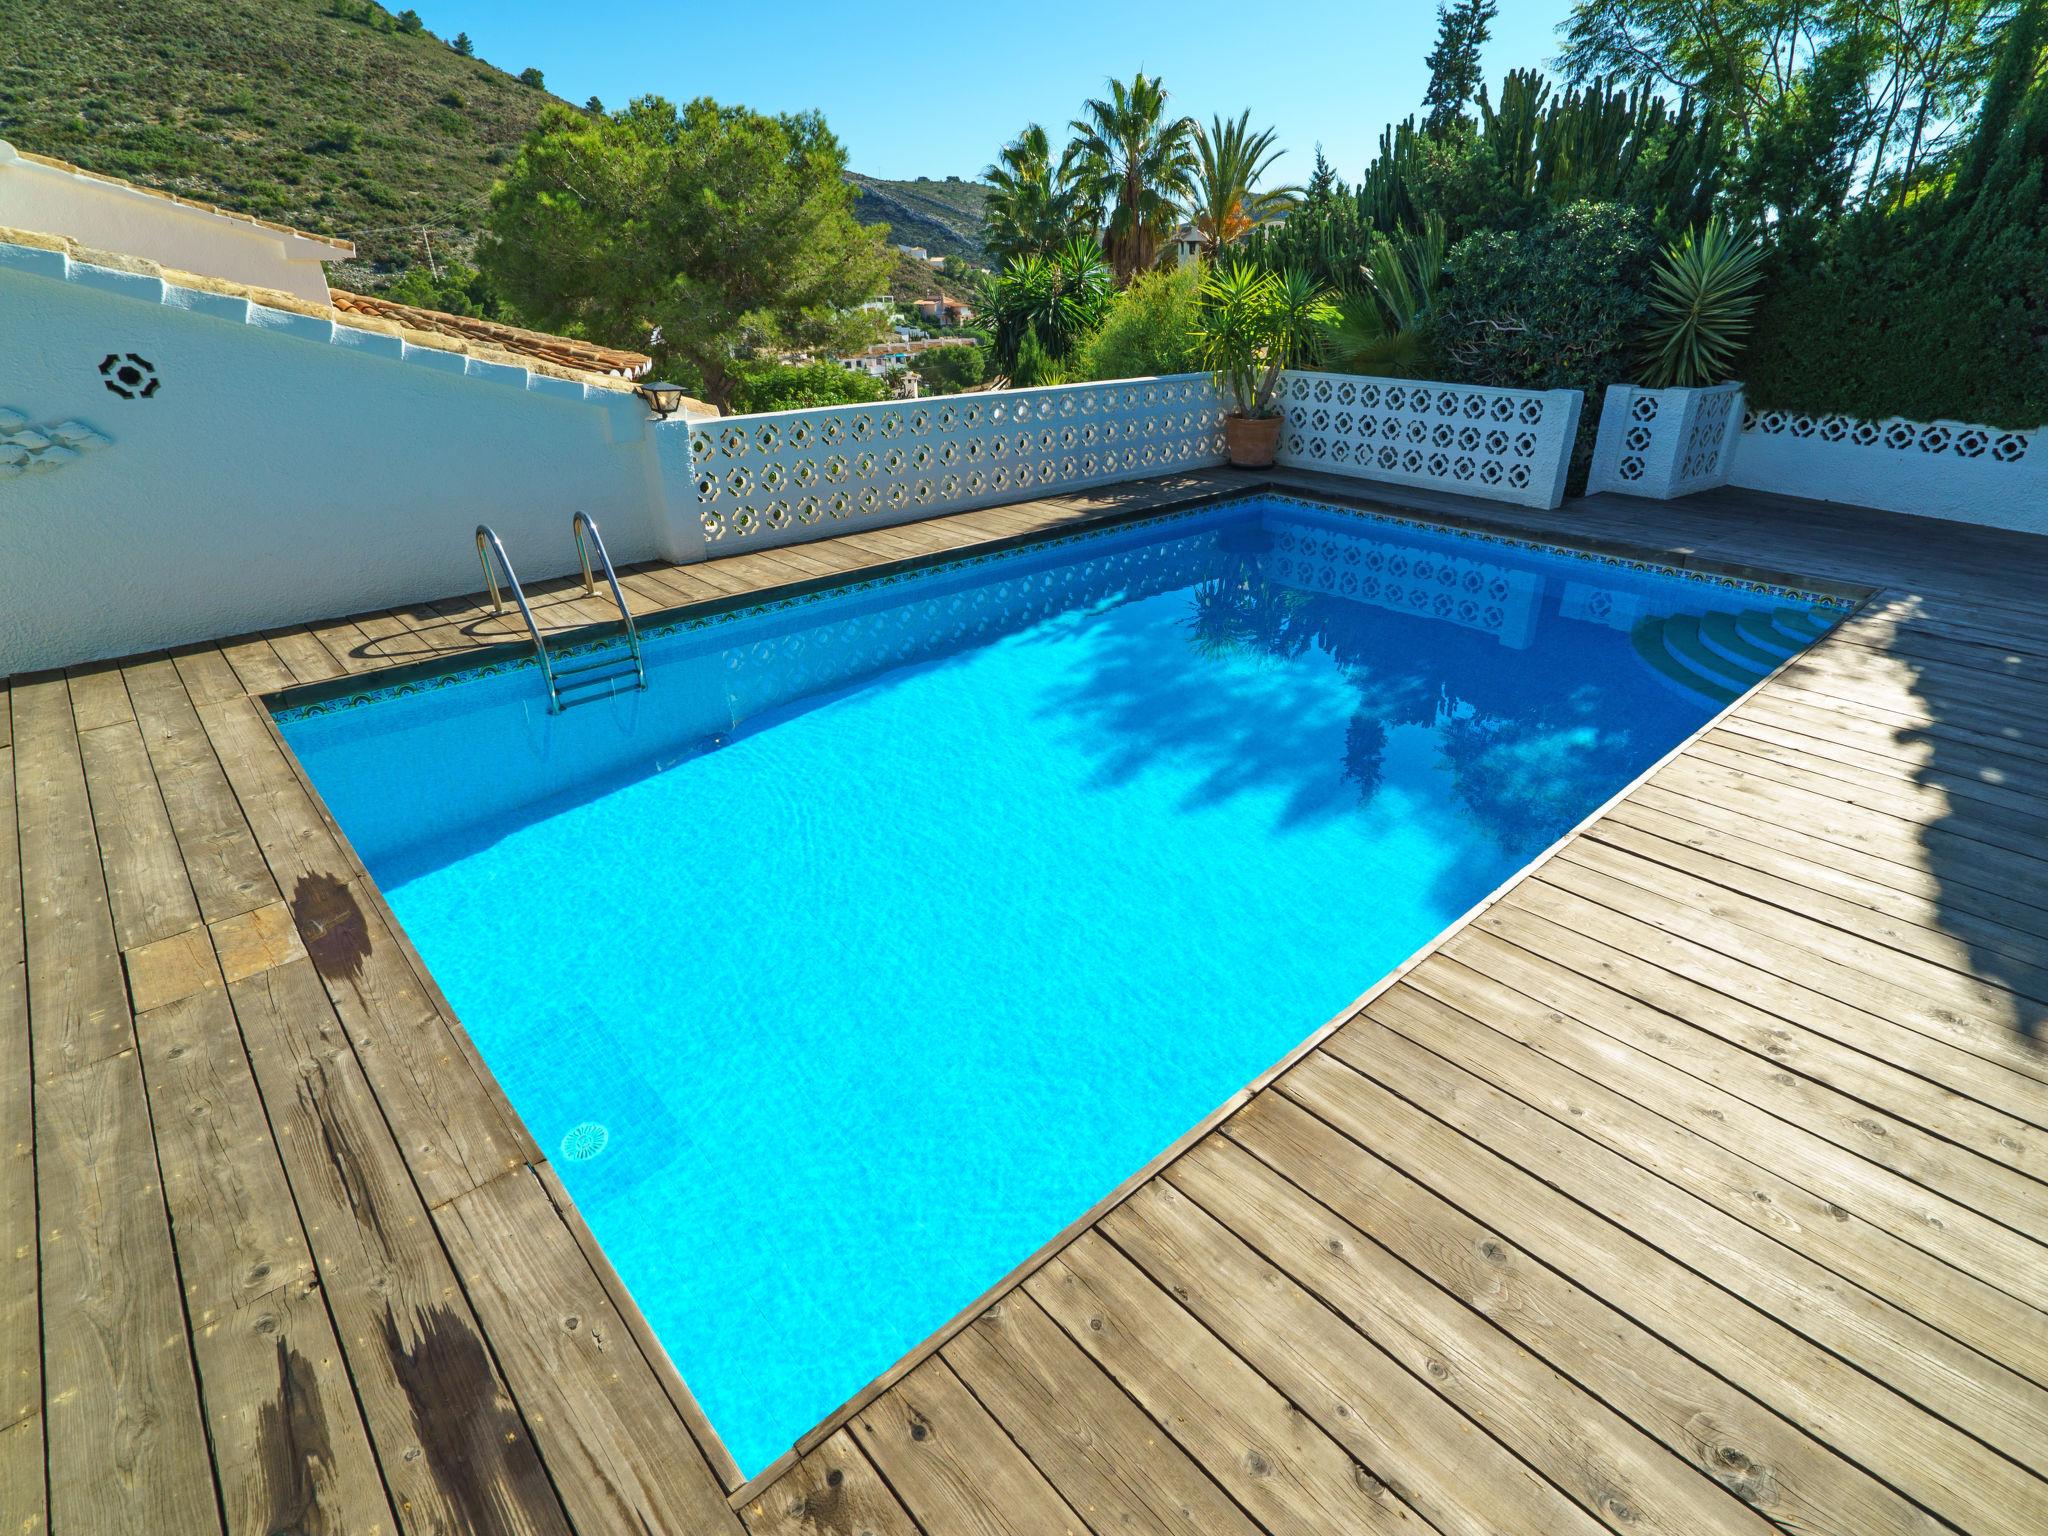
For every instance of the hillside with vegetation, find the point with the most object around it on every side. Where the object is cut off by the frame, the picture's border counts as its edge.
(945, 217)
(338, 116)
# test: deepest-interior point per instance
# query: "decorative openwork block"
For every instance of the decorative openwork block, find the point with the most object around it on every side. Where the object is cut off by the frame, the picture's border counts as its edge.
(1663, 443)
(1506, 444)
(787, 476)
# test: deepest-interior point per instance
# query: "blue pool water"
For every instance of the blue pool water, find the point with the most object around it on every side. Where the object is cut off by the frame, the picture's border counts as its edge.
(886, 932)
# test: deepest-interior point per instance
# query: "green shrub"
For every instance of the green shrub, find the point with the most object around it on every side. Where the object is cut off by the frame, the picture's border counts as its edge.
(1149, 329)
(948, 370)
(767, 386)
(1559, 306)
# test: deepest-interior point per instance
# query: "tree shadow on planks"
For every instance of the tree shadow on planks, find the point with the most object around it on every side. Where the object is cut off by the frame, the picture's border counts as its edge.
(1980, 748)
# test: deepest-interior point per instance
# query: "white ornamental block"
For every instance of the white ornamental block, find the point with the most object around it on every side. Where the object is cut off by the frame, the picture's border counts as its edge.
(1665, 443)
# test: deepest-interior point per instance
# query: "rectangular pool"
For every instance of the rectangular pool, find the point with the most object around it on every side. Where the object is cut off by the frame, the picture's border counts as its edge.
(893, 926)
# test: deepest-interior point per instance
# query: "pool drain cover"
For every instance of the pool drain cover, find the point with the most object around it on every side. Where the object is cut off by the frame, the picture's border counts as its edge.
(585, 1141)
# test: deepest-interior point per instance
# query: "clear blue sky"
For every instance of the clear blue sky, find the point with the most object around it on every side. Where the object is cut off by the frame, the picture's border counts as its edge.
(933, 90)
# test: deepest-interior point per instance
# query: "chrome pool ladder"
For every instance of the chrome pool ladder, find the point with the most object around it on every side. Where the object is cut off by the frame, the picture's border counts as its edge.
(488, 544)
(572, 684)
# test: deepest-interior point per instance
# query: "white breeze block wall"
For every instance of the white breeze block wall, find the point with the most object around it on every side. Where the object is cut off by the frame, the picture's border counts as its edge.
(1663, 443)
(1505, 444)
(784, 477)
(197, 466)
(1946, 469)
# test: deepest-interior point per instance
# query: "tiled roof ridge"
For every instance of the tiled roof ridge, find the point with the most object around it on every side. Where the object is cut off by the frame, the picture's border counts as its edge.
(563, 350)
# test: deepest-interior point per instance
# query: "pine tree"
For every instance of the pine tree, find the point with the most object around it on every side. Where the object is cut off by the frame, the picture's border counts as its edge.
(463, 45)
(1462, 29)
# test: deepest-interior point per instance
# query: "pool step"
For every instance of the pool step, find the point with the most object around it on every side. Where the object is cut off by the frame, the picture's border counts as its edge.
(1711, 656)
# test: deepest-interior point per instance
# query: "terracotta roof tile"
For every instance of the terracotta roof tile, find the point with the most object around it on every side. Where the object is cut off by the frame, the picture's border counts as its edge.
(562, 351)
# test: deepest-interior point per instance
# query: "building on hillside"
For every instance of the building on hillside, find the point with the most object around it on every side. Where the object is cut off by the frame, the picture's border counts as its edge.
(944, 312)
(879, 360)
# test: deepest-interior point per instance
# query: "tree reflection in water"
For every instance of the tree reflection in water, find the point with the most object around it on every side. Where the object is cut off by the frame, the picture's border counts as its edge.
(1529, 737)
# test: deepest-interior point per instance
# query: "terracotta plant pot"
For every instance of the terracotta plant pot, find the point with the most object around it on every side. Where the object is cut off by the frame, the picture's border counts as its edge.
(1252, 440)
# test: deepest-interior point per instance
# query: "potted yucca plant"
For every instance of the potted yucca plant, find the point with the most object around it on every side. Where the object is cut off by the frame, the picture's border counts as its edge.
(1250, 327)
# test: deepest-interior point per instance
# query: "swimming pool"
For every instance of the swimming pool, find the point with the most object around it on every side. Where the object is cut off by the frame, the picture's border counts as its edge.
(894, 925)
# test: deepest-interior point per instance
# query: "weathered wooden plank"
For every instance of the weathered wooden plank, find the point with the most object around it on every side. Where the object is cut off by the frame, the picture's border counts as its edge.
(97, 695)
(1839, 1210)
(146, 882)
(1962, 1071)
(1109, 1461)
(835, 1489)
(1909, 909)
(223, 863)
(615, 1448)
(1754, 1344)
(289, 1448)
(1795, 1074)
(952, 1465)
(455, 1132)
(1945, 1005)
(78, 1003)
(1724, 1434)
(299, 649)
(208, 677)
(127, 1446)
(256, 664)
(1275, 1460)
(1614, 1471)
(449, 1437)
(22, 1492)
(1447, 1468)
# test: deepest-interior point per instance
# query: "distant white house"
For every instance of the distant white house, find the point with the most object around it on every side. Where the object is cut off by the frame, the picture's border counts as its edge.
(878, 360)
(1185, 244)
(944, 312)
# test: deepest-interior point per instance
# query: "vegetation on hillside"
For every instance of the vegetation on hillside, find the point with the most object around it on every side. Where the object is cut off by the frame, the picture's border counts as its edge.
(331, 115)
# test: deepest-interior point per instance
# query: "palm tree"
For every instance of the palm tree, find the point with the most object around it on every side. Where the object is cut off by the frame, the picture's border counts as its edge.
(1230, 160)
(1130, 158)
(1033, 206)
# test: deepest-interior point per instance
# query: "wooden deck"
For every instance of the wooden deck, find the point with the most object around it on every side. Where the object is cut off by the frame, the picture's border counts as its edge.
(1696, 1186)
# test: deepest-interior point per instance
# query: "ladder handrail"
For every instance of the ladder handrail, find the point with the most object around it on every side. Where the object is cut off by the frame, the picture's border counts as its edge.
(487, 544)
(583, 523)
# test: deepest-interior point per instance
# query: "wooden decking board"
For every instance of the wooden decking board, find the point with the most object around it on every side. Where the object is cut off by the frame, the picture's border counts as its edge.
(289, 1446)
(1614, 1471)
(952, 1465)
(1849, 1216)
(451, 1441)
(1753, 1333)
(1872, 1105)
(1116, 1467)
(833, 1489)
(1695, 1185)
(1271, 1456)
(1728, 1437)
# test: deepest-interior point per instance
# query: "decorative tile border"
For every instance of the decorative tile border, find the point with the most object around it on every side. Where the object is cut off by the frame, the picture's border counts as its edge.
(692, 619)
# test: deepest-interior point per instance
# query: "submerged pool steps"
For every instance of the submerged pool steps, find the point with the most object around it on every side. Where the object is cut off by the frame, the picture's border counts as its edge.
(1720, 655)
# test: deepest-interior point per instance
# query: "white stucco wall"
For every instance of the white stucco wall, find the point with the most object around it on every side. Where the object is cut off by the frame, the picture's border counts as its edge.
(109, 216)
(1945, 469)
(284, 469)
